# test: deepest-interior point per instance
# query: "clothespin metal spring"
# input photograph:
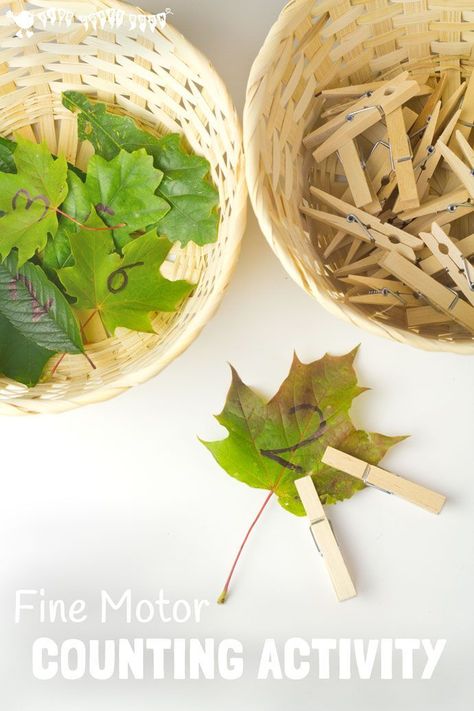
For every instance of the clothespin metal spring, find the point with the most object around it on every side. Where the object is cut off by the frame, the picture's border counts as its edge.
(365, 477)
(353, 218)
(351, 114)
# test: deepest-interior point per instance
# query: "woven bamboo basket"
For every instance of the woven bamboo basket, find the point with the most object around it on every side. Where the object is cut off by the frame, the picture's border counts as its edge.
(162, 81)
(318, 44)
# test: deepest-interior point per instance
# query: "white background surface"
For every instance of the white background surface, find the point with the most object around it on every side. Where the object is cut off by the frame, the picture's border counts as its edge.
(122, 495)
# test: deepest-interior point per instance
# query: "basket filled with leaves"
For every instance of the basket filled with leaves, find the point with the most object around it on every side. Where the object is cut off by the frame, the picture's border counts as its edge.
(359, 141)
(122, 201)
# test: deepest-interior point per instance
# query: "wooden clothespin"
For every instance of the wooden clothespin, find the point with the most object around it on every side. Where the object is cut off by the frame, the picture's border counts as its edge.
(325, 540)
(431, 265)
(424, 316)
(337, 109)
(466, 148)
(450, 106)
(352, 225)
(369, 226)
(380, 165)
(424, 178)
(424, 153)
(435, 293)
(452, 259)
(362, 265)
(359, 182)
(382, 297)
(402, 158)
(384, 480)
(358, 248)
(320, 134)
(464, 173)
(353, 90)
(428, 108)
(383, 292)
(362, 116)
(339, 240)
(378, 132)
(366, 90)
(465, 122)
(446, 203)
(444, 217)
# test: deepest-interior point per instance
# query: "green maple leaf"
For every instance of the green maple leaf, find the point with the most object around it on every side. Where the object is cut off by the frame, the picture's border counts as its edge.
(20, 358)
(36, 308)
(269, 445)
(124, 289)
(29, 198)
(122, 190)
(193, 199)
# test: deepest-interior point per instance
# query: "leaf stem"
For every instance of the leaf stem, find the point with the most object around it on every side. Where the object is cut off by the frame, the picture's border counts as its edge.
(87, 227)
(225, 592)
(90, 361)
(88, 320)
(56, 366)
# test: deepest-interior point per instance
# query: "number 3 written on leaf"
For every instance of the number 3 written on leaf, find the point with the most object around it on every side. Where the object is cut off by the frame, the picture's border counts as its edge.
(30, 200)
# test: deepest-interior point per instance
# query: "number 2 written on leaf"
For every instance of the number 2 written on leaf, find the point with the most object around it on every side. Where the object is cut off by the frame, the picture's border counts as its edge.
(274, 454)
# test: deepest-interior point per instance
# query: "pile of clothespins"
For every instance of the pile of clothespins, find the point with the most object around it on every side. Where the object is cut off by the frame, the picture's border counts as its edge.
(391, 200)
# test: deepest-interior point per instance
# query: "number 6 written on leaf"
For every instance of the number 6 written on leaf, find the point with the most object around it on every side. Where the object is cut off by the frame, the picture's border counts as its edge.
(121, 273)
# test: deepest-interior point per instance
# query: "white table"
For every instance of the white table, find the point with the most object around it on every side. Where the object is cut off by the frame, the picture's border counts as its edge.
(122, 495)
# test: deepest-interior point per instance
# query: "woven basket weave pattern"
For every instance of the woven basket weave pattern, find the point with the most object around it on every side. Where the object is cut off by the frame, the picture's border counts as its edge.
(316, 45)
(167, 85)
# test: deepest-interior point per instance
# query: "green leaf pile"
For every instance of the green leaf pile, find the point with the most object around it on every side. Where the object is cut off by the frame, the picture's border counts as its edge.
(192, 199)
(72, 241)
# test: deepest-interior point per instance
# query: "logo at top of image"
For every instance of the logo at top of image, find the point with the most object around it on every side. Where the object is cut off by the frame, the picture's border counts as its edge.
(111, 19)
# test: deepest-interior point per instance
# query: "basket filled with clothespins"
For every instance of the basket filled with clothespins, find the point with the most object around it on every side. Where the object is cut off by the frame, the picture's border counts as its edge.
(360, 163)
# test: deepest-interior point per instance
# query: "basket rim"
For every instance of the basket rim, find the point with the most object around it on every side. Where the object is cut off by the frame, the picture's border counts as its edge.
(24, 405)
(254, 105)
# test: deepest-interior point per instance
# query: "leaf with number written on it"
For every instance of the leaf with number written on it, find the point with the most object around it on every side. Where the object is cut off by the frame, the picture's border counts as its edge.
(124, 290)
(36, 308)
(29, 198)
(122, 191)
(269, 445)
(20, 358)
(193, 199)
